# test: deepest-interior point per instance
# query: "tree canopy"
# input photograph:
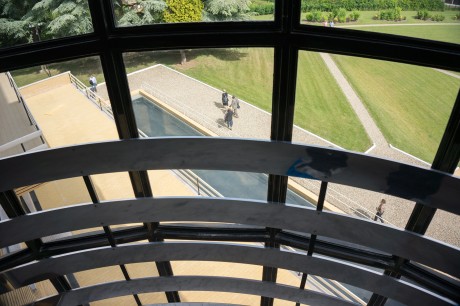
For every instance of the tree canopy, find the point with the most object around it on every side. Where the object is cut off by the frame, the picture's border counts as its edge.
(226, 10)
(139, 12)
(26, 21)
(183, 11)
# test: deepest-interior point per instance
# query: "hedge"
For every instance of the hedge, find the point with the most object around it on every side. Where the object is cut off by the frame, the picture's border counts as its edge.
(262, 8)
(372, 5)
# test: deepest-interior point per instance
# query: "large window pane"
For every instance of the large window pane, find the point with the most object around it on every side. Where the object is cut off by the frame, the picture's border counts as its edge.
(141, 12)
(179, 93)
(433, 20)
(390, 110)
(24, 22)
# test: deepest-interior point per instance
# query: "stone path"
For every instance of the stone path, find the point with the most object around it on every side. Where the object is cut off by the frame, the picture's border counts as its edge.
(202, 103)
(369, 125)
(381, 146)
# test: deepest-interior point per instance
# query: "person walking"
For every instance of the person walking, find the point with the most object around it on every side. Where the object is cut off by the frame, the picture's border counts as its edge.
(225, 98)
(380, 211)
(235, 105)
(93, 83)
(228, 117)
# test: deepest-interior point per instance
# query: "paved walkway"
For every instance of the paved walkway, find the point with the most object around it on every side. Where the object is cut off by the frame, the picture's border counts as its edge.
(202, 103)
(369, 125)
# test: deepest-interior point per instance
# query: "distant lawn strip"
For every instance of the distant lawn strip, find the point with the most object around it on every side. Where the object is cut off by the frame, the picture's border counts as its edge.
(321, 107)
(367, 17)
(410, 104)
(446, 33)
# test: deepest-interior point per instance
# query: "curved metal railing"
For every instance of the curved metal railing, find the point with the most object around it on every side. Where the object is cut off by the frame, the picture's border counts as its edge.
(363, 238)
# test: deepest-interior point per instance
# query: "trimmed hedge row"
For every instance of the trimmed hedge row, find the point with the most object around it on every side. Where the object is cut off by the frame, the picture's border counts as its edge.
(372, 5)
(262, 8)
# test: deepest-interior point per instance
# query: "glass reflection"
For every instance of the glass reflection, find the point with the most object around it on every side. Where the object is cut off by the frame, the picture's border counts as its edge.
(142, 12)
(33, 21)
(433, 20)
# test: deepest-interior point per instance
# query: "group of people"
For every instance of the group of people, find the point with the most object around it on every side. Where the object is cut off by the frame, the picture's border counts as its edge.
(230, 110)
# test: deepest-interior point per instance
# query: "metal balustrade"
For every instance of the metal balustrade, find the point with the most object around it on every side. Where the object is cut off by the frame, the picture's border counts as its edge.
(279, 158)
(339, 247)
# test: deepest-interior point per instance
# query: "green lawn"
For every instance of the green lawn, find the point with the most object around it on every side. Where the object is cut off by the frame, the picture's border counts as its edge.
(320, 105)
(263, 17)
(322, 108)
(83, 68)
(244, 72)
(410, 104)
(446, 33)
(447, 30)
(367, 17)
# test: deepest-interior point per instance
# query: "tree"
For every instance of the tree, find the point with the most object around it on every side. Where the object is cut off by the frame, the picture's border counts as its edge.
(13, 30)
(183, 11)
(227, 10)
(139, 12)
(27, 21)
(61, 18)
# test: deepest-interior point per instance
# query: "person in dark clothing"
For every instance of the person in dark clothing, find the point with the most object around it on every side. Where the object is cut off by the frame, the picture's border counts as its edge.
(225, 98)
(380, 211)
(229, 117)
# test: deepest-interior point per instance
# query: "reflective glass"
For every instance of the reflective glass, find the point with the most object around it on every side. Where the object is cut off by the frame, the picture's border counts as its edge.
(28, 294)
(433, 20)
(390, 110)
(58, 102)
(23, 22)
(191, 85)
(142, 12)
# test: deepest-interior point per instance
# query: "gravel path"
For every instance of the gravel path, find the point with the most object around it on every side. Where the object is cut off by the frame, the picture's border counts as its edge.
(202, 103)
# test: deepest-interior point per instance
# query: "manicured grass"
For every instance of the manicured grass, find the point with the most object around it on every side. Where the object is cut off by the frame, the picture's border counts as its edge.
(367, 17)
(83, 68)
(410, 104)
(446, 33)
(263, 17)
(321, 107)
(430, 30)
(244, 72)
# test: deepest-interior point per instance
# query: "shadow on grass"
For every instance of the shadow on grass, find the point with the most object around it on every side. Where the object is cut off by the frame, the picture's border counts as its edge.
(230, 54)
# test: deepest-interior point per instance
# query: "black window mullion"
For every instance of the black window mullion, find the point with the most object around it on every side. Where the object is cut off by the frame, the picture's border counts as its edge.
(108, 232)
(123, 112)
(284, 83)
(13, 208)
(311, 244)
